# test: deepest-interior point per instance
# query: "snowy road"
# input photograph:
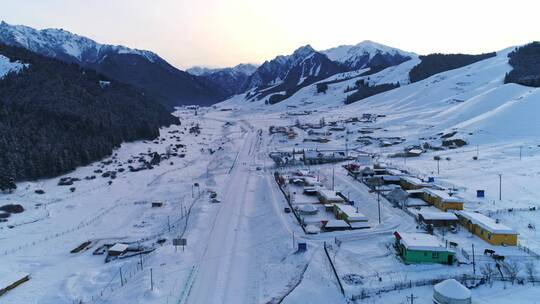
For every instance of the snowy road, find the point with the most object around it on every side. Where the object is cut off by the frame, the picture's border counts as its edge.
(221, 274)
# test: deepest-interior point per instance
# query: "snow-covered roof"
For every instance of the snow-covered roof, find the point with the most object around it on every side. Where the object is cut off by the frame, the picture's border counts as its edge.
(394, 171)
(336, 224)
(119, 247)
(390, 178)
(421, 241)
(311, 181)
(414, 180)
(452, 289)
(486, 223)
(307, 208)
(330, 195)
(351, 212)
(443, 195)
(441, 216)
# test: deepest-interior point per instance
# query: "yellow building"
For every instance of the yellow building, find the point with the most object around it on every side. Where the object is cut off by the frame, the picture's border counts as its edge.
(488, 229)
(442, 199)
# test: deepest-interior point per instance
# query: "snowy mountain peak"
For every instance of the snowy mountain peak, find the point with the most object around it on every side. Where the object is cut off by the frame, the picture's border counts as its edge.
(61, 43)
(360, 55)
(303, 51)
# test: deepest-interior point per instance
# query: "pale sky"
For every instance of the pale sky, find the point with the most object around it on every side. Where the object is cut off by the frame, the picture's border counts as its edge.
(227, 32)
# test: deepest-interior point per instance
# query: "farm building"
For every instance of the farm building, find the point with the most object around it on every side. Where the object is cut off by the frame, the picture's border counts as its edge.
(487, 228)
(442, 199)
(412, 183)
(117, 249)
(335, 225)
(437, 219)
(330, 197)
(422, 248)
(451, 292)
(348, 213)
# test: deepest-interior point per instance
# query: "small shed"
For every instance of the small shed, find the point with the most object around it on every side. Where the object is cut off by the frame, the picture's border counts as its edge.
(348, 213)
(451, 292)
(329, 197)
(437, 219)
(117, 249)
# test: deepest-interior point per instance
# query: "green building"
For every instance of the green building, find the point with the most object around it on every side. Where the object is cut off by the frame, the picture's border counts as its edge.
(415, 248)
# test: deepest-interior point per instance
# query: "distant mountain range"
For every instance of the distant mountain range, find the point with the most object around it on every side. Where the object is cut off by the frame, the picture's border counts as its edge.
(142, 69)
(227, 80)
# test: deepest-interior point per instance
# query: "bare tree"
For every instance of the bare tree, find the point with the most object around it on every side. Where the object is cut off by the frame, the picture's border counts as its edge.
(511, 269)
(530, 269)
(488, 271)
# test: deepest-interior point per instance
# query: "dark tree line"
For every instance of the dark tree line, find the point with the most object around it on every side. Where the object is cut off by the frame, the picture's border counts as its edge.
(365, 90)
(55, 116)
(437, 63)
(525, 62)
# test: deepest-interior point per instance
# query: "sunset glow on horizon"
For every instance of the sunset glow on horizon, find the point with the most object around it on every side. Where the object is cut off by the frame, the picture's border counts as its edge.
(221, 33)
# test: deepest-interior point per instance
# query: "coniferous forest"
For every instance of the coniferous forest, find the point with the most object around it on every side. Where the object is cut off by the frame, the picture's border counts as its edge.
(437, 63)
(55, 116)
(525, 62)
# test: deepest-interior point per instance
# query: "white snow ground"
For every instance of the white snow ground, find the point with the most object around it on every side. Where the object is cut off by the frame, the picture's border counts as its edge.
(241, 250)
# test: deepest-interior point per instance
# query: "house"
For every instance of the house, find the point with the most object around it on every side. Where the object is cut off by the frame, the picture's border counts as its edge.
(437, 219)
(442, 199)
(335, 225)
(330, 197)
(348, 213)
(415, 248)
(487, 228)
(412, 183)
(117, 249)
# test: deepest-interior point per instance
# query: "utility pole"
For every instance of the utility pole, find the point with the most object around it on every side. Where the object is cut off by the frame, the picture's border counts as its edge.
(378, 202)
(151, 280)
(411, 298)
(121, 278)
(168, 223)
(333, 177)
(500, 186)
(438, 160)
(473, 261)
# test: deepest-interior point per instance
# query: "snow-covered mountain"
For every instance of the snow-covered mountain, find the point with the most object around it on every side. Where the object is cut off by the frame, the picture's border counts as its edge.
(240, 69)
(285, 75)
(367, 54)
(143, 69)
(228, 80)
(289, 73)
(7, 66)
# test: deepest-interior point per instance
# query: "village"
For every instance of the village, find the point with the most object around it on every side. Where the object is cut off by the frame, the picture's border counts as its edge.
(363, 212)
